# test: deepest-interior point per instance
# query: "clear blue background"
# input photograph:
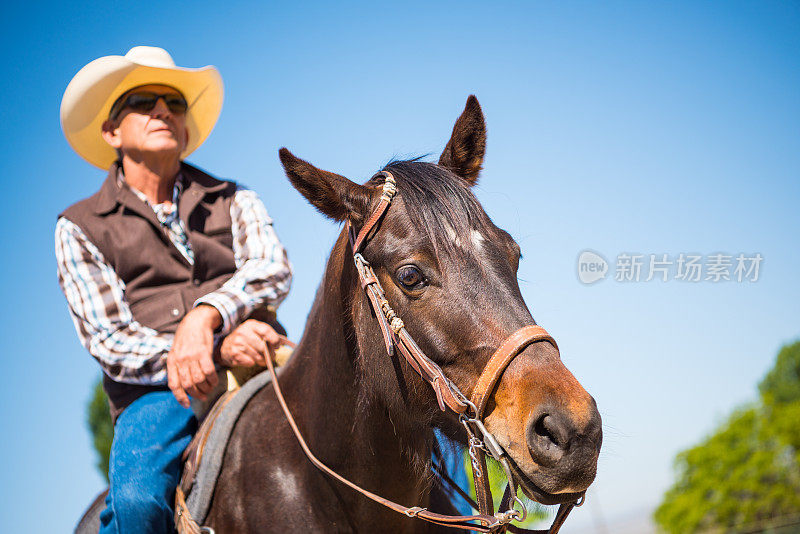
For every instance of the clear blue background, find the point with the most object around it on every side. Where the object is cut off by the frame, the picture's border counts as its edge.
(620, 127)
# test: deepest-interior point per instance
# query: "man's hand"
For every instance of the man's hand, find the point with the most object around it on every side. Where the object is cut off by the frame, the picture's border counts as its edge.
(246, 346)
(190, 363)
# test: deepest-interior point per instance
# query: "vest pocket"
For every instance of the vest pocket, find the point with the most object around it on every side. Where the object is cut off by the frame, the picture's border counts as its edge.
(162, 312)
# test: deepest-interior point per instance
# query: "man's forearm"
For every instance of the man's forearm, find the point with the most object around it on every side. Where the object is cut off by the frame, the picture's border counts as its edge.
(258, 283)
(209, 316)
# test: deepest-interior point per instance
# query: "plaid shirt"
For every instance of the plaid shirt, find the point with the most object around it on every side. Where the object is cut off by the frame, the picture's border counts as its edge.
(133, 353)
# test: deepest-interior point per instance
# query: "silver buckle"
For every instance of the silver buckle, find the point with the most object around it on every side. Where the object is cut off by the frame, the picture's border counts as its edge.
(487, 442)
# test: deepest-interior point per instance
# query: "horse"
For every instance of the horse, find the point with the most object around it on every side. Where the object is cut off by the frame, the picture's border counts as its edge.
(451, 275)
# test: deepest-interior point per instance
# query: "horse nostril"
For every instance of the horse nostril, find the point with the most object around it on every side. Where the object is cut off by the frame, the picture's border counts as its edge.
(543, 428)
(547, 439)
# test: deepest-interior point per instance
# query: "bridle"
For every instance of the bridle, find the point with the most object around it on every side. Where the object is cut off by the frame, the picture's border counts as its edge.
(469, 411)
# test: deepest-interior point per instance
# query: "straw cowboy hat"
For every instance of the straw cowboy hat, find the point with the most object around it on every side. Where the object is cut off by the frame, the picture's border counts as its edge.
(91, 93)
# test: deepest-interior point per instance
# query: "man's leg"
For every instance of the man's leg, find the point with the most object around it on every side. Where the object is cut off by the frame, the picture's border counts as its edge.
(145, 465)
(453, 457)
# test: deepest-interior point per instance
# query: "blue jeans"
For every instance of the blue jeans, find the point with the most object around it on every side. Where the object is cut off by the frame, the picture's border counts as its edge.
(145, 465)
(454, 465)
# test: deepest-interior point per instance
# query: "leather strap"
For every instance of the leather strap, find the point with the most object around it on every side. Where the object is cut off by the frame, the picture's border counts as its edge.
(558, 522)
(447, 395)
(395, 335)
(508, 350)
(482, 391)
(375, 295)
(480, 479)
(389, 189)
(184, 522)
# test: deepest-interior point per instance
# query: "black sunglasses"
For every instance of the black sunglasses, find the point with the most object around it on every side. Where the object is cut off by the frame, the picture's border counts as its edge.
(145, 101)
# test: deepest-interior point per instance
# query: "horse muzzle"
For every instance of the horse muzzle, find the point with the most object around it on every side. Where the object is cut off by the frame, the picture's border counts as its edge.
(548, 424)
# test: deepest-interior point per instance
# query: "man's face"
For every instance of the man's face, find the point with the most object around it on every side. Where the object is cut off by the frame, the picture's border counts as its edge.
(155, 132)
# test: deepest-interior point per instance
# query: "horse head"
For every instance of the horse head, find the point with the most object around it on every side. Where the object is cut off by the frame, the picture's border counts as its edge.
(451, 275)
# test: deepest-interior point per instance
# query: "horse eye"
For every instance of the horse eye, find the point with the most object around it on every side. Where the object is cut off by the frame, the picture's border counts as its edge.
(410, 277)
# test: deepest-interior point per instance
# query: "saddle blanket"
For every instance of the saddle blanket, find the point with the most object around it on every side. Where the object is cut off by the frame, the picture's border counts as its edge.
(199, 486)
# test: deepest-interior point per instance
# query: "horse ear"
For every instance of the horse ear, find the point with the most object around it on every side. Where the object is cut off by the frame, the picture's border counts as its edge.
(333, 195)
(464, 151)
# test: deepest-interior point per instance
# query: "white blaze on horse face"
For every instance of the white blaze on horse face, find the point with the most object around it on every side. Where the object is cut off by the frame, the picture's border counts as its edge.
(477, 238)
(451, 234)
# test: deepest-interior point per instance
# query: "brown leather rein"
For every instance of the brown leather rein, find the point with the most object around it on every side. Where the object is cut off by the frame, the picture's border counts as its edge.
(448, 396)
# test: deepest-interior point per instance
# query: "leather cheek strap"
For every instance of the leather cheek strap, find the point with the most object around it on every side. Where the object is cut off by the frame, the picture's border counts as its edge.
(389, 190)
(502, 357)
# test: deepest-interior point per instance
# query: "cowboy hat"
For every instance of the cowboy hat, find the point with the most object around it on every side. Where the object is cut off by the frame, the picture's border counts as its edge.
(91, 93)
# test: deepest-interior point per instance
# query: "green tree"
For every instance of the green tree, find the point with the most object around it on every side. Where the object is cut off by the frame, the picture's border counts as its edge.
(98, 420)
(782, 383)
(497, 481)
(748, 471)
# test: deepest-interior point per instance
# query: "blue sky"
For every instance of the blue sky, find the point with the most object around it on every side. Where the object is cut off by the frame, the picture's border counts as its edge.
(617, 127)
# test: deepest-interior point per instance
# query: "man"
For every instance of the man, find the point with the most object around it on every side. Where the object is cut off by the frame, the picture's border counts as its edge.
(161, 267)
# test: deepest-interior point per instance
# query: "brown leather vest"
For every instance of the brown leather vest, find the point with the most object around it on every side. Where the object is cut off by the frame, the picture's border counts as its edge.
(160, 284)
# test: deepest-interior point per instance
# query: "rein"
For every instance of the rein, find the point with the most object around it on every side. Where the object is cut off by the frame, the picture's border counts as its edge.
(448, 396)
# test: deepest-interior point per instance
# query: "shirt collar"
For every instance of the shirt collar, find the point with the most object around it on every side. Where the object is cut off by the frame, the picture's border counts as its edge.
(192, 180)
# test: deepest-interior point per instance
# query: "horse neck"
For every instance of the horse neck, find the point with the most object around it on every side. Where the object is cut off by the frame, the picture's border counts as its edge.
(353, 435)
